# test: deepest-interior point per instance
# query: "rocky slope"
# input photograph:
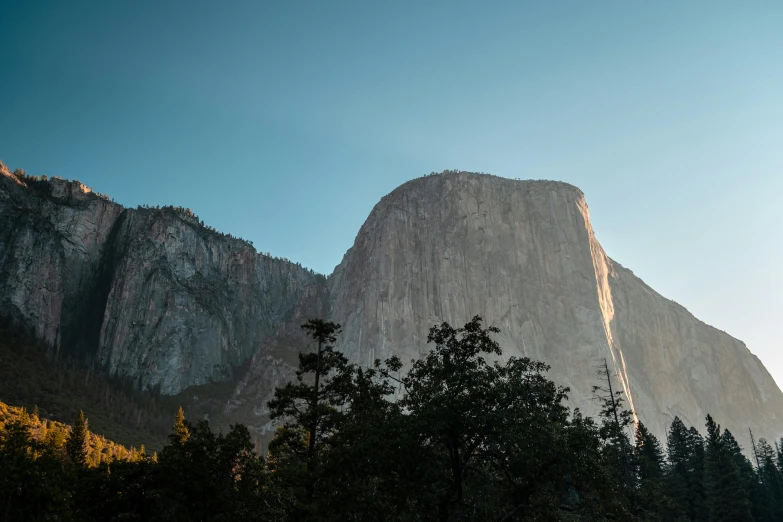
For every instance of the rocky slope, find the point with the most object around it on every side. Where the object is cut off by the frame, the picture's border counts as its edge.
(153, 295)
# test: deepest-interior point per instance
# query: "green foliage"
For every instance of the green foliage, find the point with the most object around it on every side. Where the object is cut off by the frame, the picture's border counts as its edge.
(770, 505)
(727, 493)
(652, 496)
(615, 423)
(463, 434)
(474, 420)
(203, 476)
(310, 407)
(61, 387)
(467, 438)
(180, 434)
(54, 436)
(226, 479)
(76, 443)
(685, 474)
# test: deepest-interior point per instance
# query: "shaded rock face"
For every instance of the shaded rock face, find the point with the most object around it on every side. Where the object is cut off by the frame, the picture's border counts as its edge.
(186, 306)
(148, 294)
(52, 237)
(156, 297)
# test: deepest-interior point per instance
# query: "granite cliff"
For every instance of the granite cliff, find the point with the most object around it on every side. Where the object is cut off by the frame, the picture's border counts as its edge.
(523, 254)
(149, 294)
(155, 296)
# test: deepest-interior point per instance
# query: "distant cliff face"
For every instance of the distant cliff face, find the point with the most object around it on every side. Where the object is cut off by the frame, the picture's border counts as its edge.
(148, 293)
(52, 236)
(155, 296)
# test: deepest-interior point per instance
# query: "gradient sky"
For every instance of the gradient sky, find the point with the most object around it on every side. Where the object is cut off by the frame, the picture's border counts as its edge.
(285, 122)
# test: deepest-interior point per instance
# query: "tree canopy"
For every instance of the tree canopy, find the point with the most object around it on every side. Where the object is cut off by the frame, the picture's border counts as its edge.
(462, 433)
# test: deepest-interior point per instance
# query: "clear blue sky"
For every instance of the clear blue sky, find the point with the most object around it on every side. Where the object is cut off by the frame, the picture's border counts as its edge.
(285, 122)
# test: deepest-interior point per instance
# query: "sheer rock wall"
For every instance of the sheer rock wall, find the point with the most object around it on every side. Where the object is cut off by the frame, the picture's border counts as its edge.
(149, 294)
(153, 295)
(524, 256)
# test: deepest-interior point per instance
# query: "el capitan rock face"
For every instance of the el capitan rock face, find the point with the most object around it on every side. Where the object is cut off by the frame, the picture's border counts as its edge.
(153, 295)
(524, 256)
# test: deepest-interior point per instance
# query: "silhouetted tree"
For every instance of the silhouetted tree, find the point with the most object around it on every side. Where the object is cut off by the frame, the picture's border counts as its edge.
(76, 444)
(310, 407)
(615, 424)
(727, 498)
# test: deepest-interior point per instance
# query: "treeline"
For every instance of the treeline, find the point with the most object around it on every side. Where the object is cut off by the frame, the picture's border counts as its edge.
(48, 435)
(192, 217)
(38, 182)
(32, 375)
(462, 439)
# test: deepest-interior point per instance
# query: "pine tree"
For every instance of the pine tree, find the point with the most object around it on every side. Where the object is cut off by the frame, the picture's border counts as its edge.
(312, 411)
(679, 473)
(727, 498)
(649, 464)
(76, 444)
(760, 504)
(649, 456)
(698, 487)
(685, 472)
(180, 433)
(616, 420)
(769, 482)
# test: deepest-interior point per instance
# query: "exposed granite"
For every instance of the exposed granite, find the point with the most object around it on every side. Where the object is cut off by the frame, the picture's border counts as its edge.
(524, 256)
(153, 295)
(150, 294)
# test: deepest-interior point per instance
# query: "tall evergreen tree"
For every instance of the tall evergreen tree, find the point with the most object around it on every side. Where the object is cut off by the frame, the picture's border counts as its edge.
(698, 486)
(616, 421)
(685, 472)
(649, 464)
(760, 503)
(311, 407)
(372, 455)
(679, 473)
(727, 497)
(203, 476)
(180, 432)
(649, 455)
(76, 444)
(769, 483)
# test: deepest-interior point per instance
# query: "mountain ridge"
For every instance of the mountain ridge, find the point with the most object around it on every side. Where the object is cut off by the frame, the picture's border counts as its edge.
(178, 304)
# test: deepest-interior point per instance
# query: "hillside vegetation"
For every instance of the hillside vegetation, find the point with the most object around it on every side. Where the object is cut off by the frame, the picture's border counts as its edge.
(59, 388)
(465, 439)
(53, 435)
(32, 376)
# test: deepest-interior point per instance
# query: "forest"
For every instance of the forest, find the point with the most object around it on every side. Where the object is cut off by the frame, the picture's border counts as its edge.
(452, 436)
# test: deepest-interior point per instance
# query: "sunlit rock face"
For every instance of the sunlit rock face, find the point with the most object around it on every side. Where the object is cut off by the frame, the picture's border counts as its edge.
(524, 256)
(153, 295)
(149, 294)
